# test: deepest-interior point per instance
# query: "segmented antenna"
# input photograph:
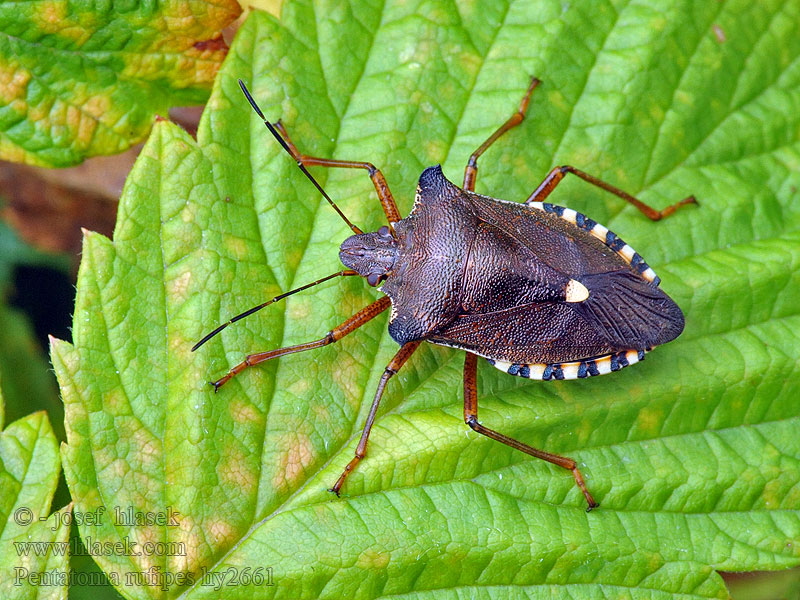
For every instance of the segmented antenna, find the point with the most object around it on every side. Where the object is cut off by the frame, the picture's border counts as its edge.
(300, 164)
(250, 311)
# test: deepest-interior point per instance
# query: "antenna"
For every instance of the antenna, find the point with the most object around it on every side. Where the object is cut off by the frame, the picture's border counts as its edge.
(300, 164)
(249, 312)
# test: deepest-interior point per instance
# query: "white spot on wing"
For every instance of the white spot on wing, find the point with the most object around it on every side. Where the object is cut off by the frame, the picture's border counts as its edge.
(576, 291)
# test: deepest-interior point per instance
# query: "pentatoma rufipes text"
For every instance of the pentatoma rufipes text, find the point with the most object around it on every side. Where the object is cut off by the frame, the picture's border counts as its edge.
(539, 290)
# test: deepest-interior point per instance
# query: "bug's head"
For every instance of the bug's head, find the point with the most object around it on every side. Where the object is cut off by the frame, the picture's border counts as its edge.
(372, 254)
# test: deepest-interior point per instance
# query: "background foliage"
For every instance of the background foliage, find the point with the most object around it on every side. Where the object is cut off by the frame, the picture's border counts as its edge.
(83, 78)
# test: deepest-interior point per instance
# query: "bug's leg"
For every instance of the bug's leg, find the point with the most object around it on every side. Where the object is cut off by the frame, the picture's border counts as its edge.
(471, 172)
(558, 173)
(471, 418)
(391, 369)
(334, 335)
(378, 180)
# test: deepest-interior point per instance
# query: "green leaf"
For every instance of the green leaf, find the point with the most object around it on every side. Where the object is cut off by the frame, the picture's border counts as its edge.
(31, 565)
(85, 78)
(693, 454)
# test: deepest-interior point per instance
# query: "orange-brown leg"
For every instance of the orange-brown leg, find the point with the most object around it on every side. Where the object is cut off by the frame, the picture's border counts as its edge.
(378, 180)
(391, 369)
(555, 176)
(471, 172)
(471, 418)
(334, 335)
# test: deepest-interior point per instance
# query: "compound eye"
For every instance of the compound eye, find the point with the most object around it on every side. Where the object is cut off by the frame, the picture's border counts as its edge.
(384, 232)
(373, 279)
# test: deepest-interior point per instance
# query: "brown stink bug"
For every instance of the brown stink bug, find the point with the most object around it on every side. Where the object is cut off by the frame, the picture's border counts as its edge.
(539, 290)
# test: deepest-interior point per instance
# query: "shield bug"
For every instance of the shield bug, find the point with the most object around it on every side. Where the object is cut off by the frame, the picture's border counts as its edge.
(539, 290)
